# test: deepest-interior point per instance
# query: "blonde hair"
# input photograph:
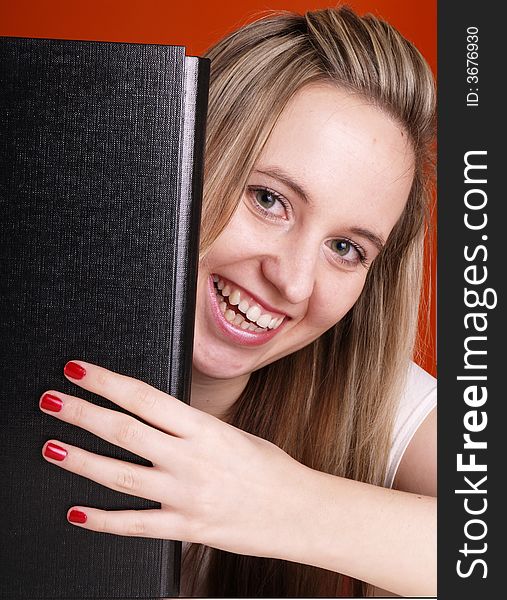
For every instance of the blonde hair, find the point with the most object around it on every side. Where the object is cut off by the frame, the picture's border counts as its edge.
(331, 404)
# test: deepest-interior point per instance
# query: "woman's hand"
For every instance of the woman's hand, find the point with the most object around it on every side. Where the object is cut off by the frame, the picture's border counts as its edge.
(222, 487)
(216, 484)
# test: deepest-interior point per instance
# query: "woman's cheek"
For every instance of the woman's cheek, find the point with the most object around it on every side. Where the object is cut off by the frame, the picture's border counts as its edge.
(237, 241)
(333, 303)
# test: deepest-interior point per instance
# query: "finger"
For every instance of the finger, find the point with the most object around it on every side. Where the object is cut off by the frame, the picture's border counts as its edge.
(132, 479)
(153, 523)
(152, 405)
(113, 426)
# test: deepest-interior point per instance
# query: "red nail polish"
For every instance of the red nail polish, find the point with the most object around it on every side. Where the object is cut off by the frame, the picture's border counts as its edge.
(54, 451)
(77, 516)
(52, 403)
(74, 370)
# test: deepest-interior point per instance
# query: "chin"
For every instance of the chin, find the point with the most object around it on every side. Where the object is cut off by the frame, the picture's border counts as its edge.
(217, 364)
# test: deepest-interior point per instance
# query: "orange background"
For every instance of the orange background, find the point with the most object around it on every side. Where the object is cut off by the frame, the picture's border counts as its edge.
(199, 23)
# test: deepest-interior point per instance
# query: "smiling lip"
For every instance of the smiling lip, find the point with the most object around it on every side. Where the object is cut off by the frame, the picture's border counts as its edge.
(234, 333)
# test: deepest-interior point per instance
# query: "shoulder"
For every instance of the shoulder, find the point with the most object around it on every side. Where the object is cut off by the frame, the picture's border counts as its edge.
(419, 396)
(414, 434)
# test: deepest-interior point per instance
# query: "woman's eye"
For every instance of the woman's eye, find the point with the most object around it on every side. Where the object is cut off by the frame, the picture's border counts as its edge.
(347, 252)
(341, 247)
(265, 198)
(269, 203)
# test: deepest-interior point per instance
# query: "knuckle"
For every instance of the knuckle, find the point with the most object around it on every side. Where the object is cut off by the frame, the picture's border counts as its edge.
(137, 526)
(201, 421)
(126, 480)
(202, 427)
(204, 502)
(144, 396)
(81, 463)
(79, 412)
(102, 523)
(128, 431)
(195, 528)
(186, 527)
(103, 377)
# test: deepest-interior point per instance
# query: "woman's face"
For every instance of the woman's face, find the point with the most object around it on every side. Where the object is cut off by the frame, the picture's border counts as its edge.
(322, 199)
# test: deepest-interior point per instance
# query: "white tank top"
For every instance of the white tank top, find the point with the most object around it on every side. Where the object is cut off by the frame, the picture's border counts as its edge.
(418, 399)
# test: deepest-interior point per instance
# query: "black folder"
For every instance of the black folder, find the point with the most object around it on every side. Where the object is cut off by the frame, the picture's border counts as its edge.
(101, 166)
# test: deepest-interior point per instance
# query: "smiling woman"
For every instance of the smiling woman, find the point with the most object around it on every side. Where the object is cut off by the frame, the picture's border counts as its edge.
(302, 249)
(306, 407)
(318, 178)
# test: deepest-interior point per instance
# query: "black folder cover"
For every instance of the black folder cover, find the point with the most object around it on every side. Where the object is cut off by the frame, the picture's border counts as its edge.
(101, 163)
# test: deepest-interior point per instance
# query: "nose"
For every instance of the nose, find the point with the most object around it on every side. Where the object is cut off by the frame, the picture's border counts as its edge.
(292, 268)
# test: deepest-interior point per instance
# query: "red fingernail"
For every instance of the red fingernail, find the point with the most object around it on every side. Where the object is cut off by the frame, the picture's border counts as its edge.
(77, 516)
(52, 403)
(54, 451)
(74, 370)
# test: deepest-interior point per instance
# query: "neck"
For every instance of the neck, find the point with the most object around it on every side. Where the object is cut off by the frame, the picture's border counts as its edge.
(215, 396)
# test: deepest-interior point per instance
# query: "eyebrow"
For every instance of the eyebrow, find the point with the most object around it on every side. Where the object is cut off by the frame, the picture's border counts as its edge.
(283, 177)
(375, 239)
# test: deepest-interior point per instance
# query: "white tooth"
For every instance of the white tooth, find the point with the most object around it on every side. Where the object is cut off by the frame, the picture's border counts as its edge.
(222, 306)
(234, 298)
(245, 325)
(253, 313)
(229, 315)
(239, 319)
(220, 284)
(278, 323)
(215, 278)
(227, 290)
(264, 320)
(259, 329)
(252, 327)
(272, 323)
(244, 306)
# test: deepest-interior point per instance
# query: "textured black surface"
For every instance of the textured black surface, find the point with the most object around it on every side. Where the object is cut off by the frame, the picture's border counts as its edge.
(100, 185)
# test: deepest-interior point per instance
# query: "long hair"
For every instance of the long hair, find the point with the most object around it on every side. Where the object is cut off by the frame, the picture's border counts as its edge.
(330, 405)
